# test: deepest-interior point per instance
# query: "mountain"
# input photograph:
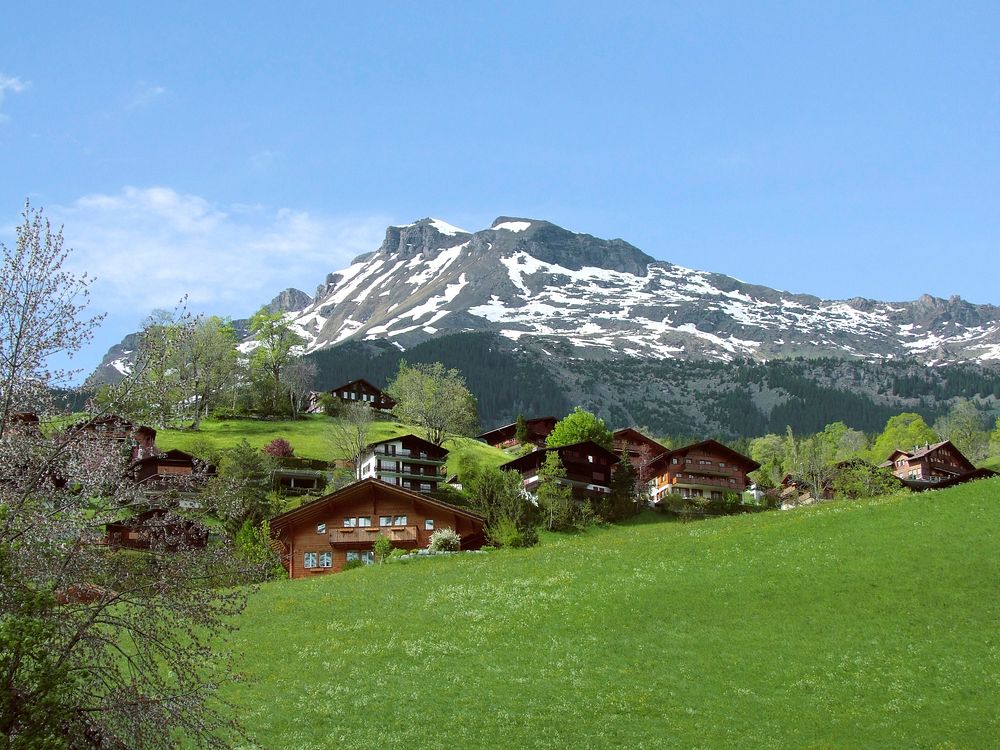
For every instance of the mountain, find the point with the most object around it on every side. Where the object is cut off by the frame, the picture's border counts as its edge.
(530, 278)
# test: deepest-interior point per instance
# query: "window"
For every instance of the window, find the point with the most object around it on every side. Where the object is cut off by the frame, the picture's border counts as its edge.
(590, 459)
(716, 495)
(366, 556)
(364, 521)
(309, 560)
(321, 528)
(399, 521)
(350, 523)
(385, 520)
(425, 486)
(326, 559)
(429, 524)
(722, 464)
(673, 460)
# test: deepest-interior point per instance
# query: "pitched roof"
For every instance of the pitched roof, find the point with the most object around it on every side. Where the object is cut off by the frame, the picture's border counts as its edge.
(352, 492)
(714, 446)
(353, 382)
(927, 450)
(632, 435)
(410, 436)
(512, 427)
(538, 456)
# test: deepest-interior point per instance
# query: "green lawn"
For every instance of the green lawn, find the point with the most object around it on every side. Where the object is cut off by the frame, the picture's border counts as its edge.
(310, 438)
(847, 625)
(991, 463)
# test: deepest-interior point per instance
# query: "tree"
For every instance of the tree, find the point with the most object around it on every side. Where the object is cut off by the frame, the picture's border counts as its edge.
(578, 426)
(555, 498)
(770, 452)
(350, 433)
(811, 461)
(382, 548)
(858, 478)
(299, 378)
(274, 352)
(521, 429)
(434, 398)
(241, 491)
(41, 308)
(99, 647)
(623, 500)
(500, 498)
(208, 364)
(995, 439)
(903, 432)
(965, 427)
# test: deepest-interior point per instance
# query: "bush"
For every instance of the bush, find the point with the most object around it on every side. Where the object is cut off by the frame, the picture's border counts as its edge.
(382, 548)
(279, 448)
(253, 545)
(352, 564)
(506, 534)
(445, 540)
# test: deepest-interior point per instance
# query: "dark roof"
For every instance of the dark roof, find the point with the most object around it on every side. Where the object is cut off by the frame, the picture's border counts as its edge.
(927, 450)
(361, 489)
(632, 435)
(714, 446)
(537, 457)
(354, 382)
(409, 436)
(512, 427)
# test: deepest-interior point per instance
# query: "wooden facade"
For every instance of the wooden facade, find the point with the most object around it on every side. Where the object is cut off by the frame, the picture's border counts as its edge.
(929, 464)
(707, 469)
(588, 466)
(321, 536)
(138, 439)
(365, 392)
(407, 461)
(170, 469)
(156, 529)
(506, 436)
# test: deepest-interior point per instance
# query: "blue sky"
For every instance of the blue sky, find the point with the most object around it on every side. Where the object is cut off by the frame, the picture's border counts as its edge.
(233, 150)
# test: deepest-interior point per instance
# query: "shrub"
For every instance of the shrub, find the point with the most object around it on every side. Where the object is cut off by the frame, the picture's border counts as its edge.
(506, 533)
(352, 564)
(253, 546)
(445, 540)
(279, 448)
(382, 548)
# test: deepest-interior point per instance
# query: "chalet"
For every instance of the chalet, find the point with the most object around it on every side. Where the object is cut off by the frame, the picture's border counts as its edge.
(322, 536)
(930, 464)
(588, 468)
(172, 468)
(408, 461)
(363, 391)
(707, 469)
(506, 436)
(300, 476)
(641, 451)
(140, 441)
(156, 529)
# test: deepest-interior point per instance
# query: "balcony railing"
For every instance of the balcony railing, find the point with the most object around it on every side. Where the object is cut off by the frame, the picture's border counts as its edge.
(365, 535)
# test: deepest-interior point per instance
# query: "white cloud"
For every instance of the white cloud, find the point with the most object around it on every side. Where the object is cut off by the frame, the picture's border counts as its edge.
(13, 85)
(143, 94)
(148, 247)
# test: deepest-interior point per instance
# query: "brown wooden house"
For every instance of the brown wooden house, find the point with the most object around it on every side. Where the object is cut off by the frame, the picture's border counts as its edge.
(173, 469)
(139, 440)
(588, 468)
(506, 436)
(321, 536)
(929, 464)
(156, 529)
(365, 392)
(641, 451)
(407, 461)
(707, 469)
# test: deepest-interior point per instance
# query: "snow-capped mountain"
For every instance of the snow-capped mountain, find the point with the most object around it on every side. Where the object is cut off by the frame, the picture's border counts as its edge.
(530, 278)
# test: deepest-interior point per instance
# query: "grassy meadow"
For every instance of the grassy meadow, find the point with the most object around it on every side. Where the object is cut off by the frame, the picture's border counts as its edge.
(846, 625)
(310, 438)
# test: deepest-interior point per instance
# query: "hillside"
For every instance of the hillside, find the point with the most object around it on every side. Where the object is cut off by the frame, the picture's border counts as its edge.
(849, 625)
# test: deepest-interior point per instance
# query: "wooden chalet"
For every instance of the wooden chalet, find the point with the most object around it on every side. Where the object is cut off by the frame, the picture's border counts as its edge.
(25, 423)
(588, 468)
(640, 449)
(506, 436)
(930, 464)
(322, 536)
(407, 461)
(363, 391)
(173, 469)
(156, 529)
(707, 469)
(138, 439)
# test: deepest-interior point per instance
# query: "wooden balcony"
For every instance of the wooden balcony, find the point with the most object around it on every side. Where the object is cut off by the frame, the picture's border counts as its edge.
(365, 535)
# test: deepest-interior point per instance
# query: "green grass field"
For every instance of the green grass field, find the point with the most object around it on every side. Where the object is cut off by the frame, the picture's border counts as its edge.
(848, 625)
(310, 438)
(991, 463)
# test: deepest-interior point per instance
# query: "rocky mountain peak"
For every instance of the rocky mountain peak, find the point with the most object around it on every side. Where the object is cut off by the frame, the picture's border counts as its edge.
(289, 300)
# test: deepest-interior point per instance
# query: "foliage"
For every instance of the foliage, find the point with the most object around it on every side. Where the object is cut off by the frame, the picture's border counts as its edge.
(279, 448)
(995, 439)
(903, 432)
(40, 315)
(274, 353)
(99, 647)
(350, 433)
(253, 545)
(352, 565)
(445, 540)
(521, 429)
(858, 478)
(965, 427)
(625, 497)
(578, 426)
(434, 398)
(241, 491)
(500, 498)
(382, 547)
(554, 497)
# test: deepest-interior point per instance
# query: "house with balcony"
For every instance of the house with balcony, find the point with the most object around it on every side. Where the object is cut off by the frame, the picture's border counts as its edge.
(588, 468)
(929, 465)
(407, 461)
(707, 470)
(506, 437)
(362, 391)
(322, 536)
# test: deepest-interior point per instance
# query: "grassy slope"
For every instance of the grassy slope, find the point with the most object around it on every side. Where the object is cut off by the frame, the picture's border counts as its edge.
(991, 463)
(309, 437)
(860, 624)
